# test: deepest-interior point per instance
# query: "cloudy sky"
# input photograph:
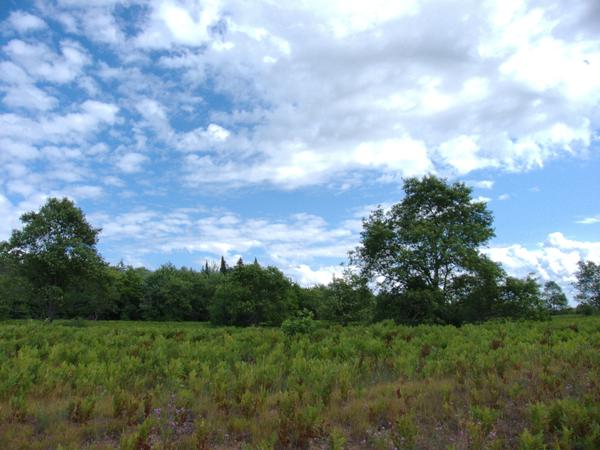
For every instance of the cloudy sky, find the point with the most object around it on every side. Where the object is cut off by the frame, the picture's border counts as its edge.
(193, 129)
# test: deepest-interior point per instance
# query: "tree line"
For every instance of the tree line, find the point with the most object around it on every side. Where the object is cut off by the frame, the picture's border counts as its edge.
(421, 261)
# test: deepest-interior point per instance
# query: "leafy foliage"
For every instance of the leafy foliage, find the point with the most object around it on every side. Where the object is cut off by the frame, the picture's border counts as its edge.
(588, 283)
(553, 297)
(252, 295)
(55, 249)
(432, 235)
(347, 300)
(425, 255)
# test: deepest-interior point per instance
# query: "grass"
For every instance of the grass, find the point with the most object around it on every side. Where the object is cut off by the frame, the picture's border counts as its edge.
(139, 385)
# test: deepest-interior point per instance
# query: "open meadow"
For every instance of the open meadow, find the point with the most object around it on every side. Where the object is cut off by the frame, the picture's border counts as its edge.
(82, 384)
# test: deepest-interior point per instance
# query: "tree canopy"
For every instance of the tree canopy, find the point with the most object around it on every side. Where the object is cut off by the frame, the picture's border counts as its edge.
(423, 257)
(433, 235)
(588, 283)
(55, 247)
(554, 297)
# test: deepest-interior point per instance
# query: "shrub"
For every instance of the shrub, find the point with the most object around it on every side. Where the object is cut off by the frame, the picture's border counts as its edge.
(302, 323)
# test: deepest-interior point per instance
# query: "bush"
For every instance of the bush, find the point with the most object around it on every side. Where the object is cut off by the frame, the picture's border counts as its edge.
(302, 323)
(585, 309)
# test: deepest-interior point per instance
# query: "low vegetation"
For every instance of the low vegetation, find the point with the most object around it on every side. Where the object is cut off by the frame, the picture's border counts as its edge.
(80, 384)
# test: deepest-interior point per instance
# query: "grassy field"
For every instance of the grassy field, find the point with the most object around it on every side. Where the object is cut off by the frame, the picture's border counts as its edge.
(73, 385)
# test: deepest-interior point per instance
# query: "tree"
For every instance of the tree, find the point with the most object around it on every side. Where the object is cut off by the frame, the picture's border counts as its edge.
(223, 268)
(347, 299)
(127, 285)
(55, 249)
(588, 283)
(429, 239)
(252, 295)
(520, 299)
(166, 295)
(553, 297)
(15, 290)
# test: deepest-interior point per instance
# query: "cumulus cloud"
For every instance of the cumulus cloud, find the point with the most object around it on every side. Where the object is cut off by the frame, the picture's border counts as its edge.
(554, 259)
(306, 276)
(131, 162)
(21, 91)
(355, 90)
(88, 117)
(483, 184)
(171, 23)
(24, 22)
(292, 242)
(41, 62)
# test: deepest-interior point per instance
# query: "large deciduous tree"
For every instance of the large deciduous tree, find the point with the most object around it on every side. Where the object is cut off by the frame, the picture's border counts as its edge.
(55, 248)
(588, 283)
(553, 297)
(421, 247)
(432, 236)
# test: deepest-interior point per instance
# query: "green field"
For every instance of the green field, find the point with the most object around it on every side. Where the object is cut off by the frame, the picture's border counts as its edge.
(75, 384)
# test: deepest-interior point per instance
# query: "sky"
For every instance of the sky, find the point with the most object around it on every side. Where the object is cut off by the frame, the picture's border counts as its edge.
(188, 130)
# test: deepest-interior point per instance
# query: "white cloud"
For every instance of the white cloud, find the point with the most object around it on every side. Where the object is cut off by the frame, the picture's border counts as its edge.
(12, 211)
(294, 165)
(84, 192)
(43, 63)
(131, 162)
(589, 220)
(462, 153)
(306, 276)
(10, 217)
(28, 96)
(100, 25)
(483, 184)
(556, 258)
(202, 139)
(20, 90)
(172, 23)
(291, 243)
(24, 22)
(350, 89)
(75, 126)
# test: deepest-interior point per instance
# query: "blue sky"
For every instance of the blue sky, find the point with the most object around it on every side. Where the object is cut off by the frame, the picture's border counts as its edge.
(188, 130)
